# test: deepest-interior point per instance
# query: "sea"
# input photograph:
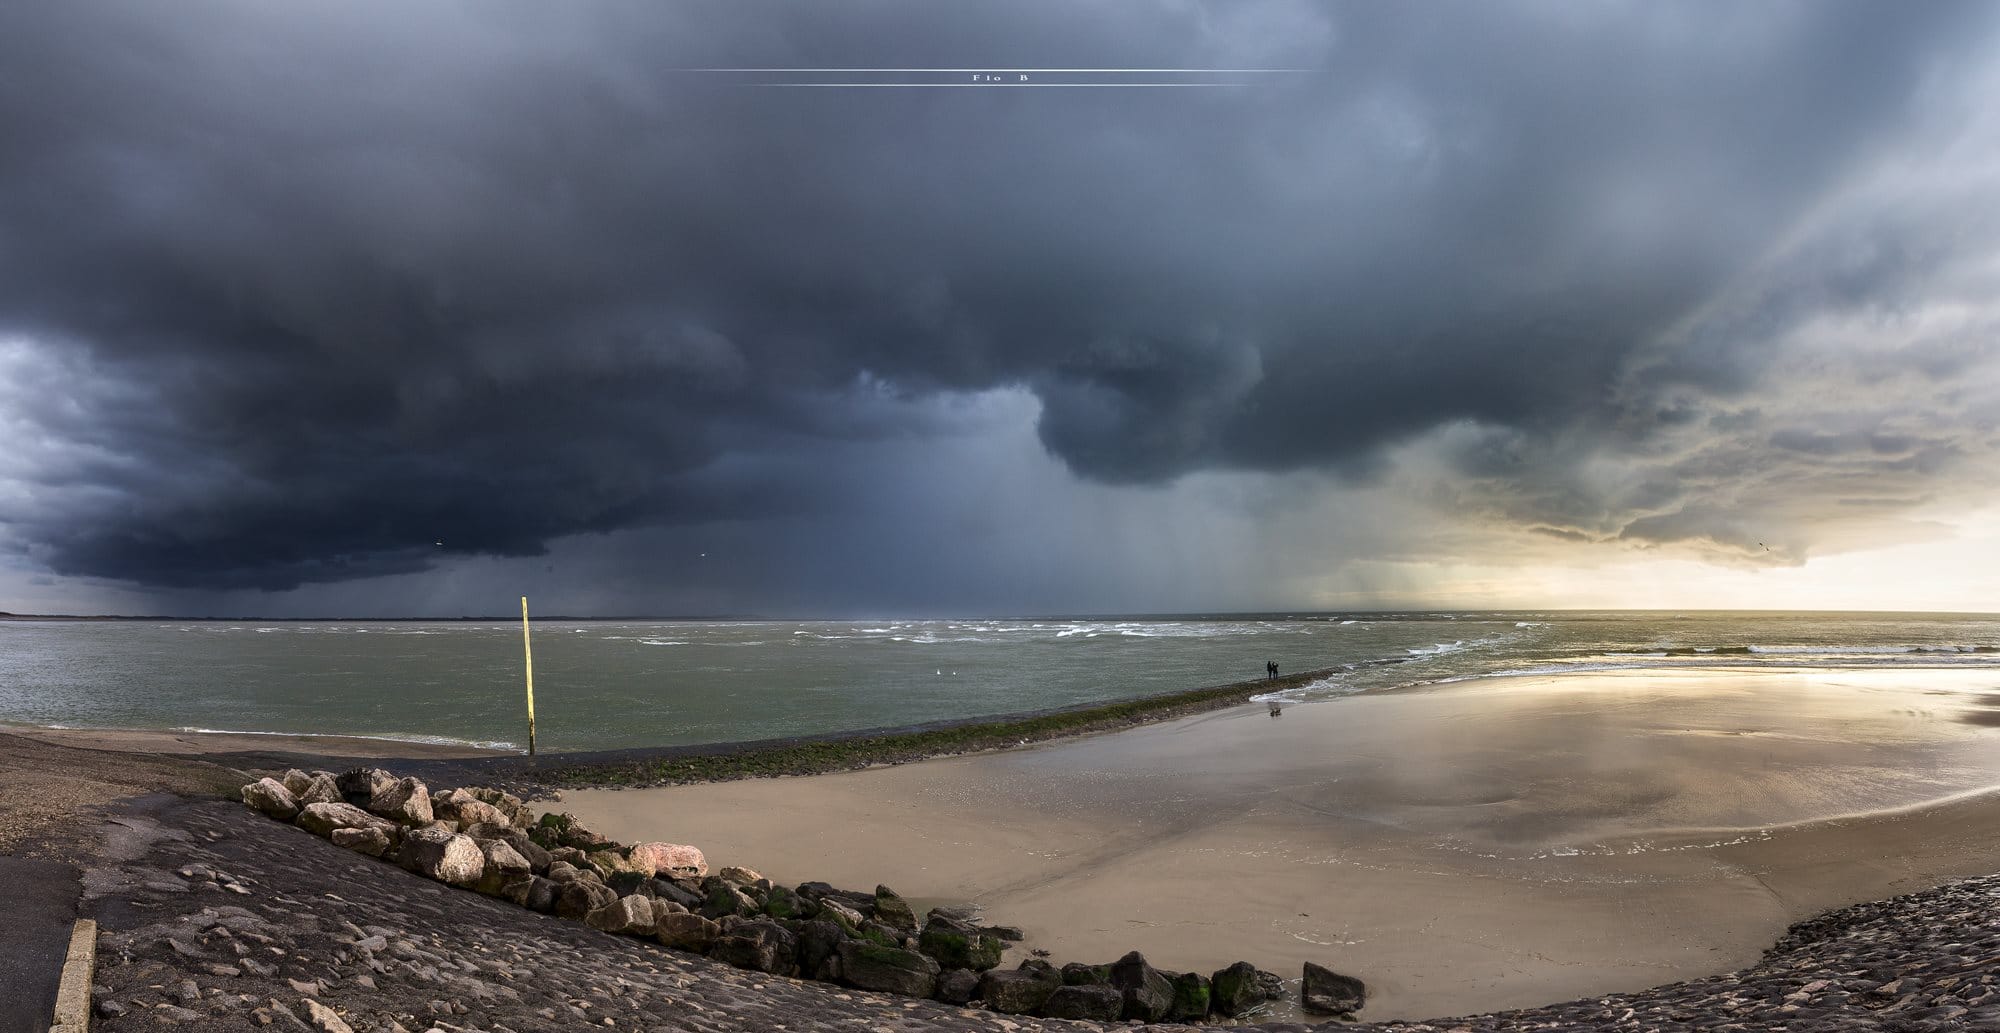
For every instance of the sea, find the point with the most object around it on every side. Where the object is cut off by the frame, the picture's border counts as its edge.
(638, 683)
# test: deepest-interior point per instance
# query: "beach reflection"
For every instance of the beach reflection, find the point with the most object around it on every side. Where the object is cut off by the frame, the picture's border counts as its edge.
(1463, 848)
(1562, 761)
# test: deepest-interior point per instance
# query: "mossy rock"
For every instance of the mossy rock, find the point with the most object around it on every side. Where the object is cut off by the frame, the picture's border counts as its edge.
(877, 936)
(612, 862)
(1076, 973)
(547, 834)
(893, 911)
(879, 953)
(724, 900)
(1191, 997)
(1235, 990)
(839, 914)
(783, 903)
(874, 967)
(957, 948)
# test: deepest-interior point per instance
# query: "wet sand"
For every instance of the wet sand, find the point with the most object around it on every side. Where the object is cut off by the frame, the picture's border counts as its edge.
(1463, 848)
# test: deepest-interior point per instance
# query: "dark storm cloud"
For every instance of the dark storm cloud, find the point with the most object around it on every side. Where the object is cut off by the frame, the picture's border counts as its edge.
(306, 289)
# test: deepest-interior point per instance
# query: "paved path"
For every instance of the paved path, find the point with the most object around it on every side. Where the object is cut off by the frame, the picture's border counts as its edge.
(37, 908)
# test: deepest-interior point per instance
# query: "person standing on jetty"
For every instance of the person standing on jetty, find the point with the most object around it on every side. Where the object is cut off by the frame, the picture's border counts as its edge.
(1271, 670)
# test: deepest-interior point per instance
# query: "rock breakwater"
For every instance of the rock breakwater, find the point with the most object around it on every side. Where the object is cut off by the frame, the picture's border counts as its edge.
(489, 841)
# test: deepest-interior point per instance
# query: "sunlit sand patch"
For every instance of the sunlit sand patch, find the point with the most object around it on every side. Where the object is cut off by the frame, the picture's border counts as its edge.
(1485, 845)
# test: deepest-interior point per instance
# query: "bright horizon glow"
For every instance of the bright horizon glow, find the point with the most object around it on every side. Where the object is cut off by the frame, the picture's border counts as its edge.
(1956, 575)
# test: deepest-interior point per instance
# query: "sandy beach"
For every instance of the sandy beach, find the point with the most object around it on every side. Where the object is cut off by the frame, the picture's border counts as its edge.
(1463, 848)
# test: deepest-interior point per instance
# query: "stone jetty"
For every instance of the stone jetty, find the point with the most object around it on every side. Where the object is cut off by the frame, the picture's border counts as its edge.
(488, 841)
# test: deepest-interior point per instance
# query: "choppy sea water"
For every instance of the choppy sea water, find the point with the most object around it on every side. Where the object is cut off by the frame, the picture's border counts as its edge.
(603, 685)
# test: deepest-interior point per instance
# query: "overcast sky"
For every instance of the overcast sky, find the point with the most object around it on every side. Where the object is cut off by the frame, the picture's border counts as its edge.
(370, 308)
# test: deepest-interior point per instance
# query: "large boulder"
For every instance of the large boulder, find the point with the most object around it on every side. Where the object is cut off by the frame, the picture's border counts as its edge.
(781, 903)
(760, 946)
(1326, 992)
(1191, 997)
(538, 894)
(631, 915)
(880, 933)
(580, 897)
(444, 855)
(323, 818)
(687, 932)
(1085, 1001)
(819, 891)
(460, 805)
(572, 857)
(1021, 991)
(626, 884)
(673, 860)
(1148, 992)
(360, 785)
(1235, 990)
(958, 944)
(724, 900)
(818, 947)
(563, 830)
(296, 781)
(611, 862)
(538, 859)
(895, 912)
(669, 889)
(504, 868)
(871, 966)
(374, 841)
(405, 801)
(1076, 973)
(506, 803)
(562, 871)
(958, 986)
(271, 797)
(841, 914)
(320, 788)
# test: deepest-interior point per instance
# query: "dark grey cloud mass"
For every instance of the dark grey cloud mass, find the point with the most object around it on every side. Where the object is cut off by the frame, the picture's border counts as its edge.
(291, 292)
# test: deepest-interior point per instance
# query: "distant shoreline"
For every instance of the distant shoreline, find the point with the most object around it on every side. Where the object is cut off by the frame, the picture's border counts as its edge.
(680, 764)
(846, 751)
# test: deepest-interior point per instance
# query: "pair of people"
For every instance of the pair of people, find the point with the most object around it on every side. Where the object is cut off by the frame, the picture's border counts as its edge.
(1271, 669)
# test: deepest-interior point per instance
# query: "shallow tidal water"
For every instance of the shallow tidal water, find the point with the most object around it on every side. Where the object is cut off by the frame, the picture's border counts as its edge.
(604, 685)
(1463, 847)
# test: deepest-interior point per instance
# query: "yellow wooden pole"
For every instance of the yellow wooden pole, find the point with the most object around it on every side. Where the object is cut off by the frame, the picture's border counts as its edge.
(528, 654)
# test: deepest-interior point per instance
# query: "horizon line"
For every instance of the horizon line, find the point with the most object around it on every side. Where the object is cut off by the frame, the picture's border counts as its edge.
(1007, 68)
(1285, 614)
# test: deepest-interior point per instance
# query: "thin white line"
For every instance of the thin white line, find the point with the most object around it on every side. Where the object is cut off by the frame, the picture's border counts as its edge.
(987, 85)
(1001, 70)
